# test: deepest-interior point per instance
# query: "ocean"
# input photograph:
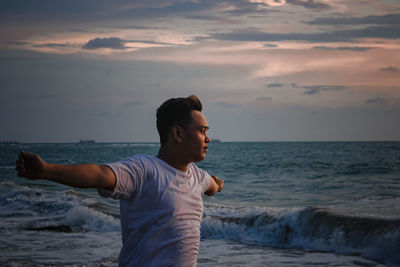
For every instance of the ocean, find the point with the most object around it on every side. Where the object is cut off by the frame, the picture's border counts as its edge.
(283, 204)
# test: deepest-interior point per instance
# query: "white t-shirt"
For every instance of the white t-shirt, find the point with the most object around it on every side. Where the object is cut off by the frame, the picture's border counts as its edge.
(161, 210)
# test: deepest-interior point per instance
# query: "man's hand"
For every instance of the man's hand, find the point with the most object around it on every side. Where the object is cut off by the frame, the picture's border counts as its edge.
(216, 185)
(219, 182)
(30, 166)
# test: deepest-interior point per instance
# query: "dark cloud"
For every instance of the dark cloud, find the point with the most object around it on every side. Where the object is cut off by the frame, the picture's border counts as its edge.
(146, 42)
(311, 90)
(136, 27)
(246, 7)
(270, 45)
(389, 32)
(390, 69)
(345, 48)
(203, 17)
(18, 43)
(112, 42)
(105, 10)
(207, 10)
(315, 89)
(116, 43)
(377, 100)
(388, 19)
(275, 85)
(166, 10)
(196, 9)
(224, 104)
(48, 10)
(79, 30)
(51, 45)
(311, 4)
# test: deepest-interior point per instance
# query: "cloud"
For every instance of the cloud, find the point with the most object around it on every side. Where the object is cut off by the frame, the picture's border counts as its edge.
(390, 69)
(275, 85)
(105, 10)
(315, 89)
(112, 43)
(388, 19)
(238, 8)
(345, 48)
(388, 32)
(118, 43)
(224, 104)
(270, 45)
(18, 43)
(311, 4)
(51, 45)
(203, 17)
(377, 100)
(147, 42)
(198, 10)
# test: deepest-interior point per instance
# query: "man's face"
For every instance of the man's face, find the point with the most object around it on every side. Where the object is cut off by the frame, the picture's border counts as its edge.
(195, 138)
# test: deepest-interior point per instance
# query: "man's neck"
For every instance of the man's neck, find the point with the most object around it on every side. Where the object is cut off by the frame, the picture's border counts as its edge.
(171, 157)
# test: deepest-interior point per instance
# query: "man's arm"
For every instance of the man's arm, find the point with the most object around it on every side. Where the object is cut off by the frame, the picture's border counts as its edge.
(81, 175)
(216, 185)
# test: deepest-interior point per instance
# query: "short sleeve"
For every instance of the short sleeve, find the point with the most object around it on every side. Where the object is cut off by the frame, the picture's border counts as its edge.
(206, 182)
(129, 173)
(204, 177)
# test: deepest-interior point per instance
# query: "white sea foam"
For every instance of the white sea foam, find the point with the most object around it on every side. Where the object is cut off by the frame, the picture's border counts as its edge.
(91, 220)
(308, 229)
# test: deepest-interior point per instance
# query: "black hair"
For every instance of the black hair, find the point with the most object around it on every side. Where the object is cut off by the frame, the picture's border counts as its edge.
(175, 111)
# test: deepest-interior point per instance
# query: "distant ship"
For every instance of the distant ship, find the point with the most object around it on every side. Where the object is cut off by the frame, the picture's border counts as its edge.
(86, 142)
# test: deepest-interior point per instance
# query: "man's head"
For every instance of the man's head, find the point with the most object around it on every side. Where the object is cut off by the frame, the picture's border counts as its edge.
(175, 111)
(182, 128)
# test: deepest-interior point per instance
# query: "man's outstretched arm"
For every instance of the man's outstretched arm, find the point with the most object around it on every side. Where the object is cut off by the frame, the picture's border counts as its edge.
(80, 175)
(216, 185)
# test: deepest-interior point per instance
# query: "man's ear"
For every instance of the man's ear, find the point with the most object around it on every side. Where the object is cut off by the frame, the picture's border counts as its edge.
(177, 133)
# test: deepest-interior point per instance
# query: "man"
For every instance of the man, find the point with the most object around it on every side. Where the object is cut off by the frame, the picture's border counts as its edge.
(160, 196)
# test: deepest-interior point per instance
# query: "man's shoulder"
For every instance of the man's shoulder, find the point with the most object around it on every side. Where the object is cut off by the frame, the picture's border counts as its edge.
(139, 157)
(197, 170)
(193, 165)
(137, 160)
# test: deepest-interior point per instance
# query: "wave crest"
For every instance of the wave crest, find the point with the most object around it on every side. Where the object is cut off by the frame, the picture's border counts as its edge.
(314, 229)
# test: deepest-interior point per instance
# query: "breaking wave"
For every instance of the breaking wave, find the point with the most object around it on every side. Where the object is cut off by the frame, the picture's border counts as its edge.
(311, 229)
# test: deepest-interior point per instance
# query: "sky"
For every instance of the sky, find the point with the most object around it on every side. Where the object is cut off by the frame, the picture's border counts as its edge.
(265, 70)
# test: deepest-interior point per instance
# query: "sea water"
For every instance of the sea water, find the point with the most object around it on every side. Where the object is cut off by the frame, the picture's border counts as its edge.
(283, 204)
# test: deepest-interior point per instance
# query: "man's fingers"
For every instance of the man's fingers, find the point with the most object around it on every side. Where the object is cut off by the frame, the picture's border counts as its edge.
(19, 164)
(21, 156)
(19, 167)
(221, 185)
(20, 170)
(219, 182)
